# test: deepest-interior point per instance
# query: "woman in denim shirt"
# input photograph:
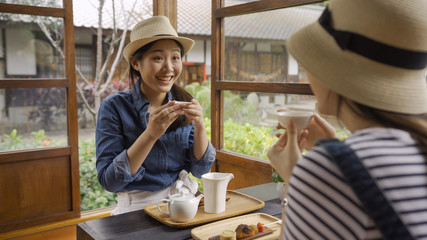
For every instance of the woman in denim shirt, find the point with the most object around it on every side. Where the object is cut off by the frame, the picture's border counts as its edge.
(144, 137)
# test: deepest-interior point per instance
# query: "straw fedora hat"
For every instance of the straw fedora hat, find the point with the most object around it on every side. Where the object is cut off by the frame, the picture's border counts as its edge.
(153, 29)
(373, 52)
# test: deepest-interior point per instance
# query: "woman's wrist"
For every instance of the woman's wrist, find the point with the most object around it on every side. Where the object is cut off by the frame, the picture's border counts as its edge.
(200, 126)
(149, 136)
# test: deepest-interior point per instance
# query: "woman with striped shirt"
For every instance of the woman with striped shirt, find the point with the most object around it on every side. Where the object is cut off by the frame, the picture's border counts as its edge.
(374, 82)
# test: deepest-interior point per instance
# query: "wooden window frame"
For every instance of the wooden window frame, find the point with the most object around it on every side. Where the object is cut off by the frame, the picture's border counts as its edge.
(227, 161)
(67, 154)
(166, 8)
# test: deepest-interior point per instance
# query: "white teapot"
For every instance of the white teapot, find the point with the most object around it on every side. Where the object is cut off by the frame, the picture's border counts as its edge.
(182, 207)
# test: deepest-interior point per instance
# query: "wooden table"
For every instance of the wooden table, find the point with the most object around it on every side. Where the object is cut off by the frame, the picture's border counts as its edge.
(139, 225)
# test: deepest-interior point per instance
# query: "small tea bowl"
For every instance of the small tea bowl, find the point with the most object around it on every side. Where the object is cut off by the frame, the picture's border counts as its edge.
(301, 118)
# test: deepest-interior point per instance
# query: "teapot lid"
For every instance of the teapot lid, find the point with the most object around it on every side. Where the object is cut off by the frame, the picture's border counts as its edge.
(182, 196)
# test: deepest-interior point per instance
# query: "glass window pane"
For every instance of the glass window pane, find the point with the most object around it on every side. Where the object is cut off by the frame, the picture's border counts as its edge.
(237, 2)
(33, 118)
(250, 121)
(39, 3)
(84, 61)
(33, 46)
(255, 44)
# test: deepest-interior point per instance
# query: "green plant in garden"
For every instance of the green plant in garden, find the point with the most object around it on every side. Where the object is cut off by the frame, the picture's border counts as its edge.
(247, 138)
(12, 141)
(40, 139)
(235, 107)
(208, 131)
(203, 95)
(92, 195)
(208, 126)
(275, 177)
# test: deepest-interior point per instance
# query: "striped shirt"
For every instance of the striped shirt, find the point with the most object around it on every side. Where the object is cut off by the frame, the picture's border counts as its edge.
(323, 206)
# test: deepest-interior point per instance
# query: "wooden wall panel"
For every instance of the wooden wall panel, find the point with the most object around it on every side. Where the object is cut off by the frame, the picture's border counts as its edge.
(244, 176)
(34, 191)
(247, 172)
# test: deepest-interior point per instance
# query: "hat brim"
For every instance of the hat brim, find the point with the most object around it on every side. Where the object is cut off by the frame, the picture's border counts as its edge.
(132, 47)
(358, 78)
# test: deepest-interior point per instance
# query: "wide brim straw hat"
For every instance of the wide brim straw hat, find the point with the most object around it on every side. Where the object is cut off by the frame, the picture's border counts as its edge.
(381, 63)
(153, 29)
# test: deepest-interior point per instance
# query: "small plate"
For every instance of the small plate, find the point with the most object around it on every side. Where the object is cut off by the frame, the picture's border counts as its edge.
(212, 229)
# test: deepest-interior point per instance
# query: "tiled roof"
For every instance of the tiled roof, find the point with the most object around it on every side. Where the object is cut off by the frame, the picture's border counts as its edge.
(86, 13)
(194, 18)
(276, 24)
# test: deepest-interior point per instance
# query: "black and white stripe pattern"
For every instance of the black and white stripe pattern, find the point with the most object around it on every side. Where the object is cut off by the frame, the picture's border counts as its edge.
(322, 205)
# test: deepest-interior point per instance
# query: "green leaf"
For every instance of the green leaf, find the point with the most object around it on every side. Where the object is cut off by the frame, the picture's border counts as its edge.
(276, 177)
(13, 133)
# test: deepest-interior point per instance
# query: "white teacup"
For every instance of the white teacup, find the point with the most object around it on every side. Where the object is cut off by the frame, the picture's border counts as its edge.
(301, 118)
(182, 103)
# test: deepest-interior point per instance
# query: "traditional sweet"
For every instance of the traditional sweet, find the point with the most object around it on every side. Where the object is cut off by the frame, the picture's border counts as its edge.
(260, 227)
(254, 228)
(244, 231)
(227, 235)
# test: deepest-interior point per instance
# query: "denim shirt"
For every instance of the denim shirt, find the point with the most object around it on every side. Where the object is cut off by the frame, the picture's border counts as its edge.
(122, 118)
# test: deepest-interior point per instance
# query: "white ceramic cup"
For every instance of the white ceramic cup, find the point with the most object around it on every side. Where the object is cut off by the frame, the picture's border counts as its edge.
(182, 103)
(301, 118)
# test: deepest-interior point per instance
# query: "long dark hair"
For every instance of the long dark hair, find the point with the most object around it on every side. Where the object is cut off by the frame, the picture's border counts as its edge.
(178, 93)
(415, 125)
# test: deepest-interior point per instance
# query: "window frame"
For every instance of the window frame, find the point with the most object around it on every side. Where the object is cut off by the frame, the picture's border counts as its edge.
(240, 161)
(70, 152)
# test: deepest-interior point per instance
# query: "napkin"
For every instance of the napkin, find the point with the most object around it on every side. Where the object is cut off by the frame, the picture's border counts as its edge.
(184, 184)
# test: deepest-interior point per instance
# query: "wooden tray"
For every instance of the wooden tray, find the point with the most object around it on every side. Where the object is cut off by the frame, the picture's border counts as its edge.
(238, 204)
(212, 229)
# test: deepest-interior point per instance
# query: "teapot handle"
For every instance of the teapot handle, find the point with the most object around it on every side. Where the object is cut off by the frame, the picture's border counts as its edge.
(158, 206)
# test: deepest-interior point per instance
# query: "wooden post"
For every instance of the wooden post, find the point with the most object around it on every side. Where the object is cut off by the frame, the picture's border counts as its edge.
(166, 8)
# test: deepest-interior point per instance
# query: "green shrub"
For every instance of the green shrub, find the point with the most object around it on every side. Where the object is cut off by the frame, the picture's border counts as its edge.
(239, 136)
(92, 195)
(247, 139)
(14, 141)
(203, 95)
(235, 106)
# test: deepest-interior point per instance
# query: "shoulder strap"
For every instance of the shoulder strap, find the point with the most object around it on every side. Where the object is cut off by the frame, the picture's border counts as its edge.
(376, 204)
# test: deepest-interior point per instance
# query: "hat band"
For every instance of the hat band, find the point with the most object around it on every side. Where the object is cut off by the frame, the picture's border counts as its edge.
(372, 49)
(163, 35)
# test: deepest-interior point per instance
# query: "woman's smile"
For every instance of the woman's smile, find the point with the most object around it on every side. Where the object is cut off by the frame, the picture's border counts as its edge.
(165, 79)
